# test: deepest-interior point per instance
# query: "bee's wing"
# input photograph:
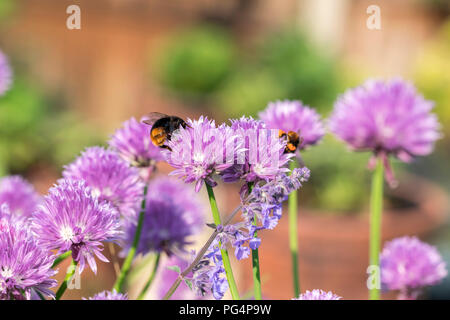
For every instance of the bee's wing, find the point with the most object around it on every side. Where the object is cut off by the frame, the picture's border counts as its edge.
(152, 117)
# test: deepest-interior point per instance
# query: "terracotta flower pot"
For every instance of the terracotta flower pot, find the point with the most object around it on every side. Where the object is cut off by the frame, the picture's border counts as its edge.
(333, 249)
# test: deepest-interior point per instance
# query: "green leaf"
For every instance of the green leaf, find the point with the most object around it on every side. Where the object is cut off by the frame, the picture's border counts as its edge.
(174, 268)
(188, 283)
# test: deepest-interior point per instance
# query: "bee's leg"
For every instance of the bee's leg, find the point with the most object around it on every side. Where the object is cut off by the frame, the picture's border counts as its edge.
(165, 147)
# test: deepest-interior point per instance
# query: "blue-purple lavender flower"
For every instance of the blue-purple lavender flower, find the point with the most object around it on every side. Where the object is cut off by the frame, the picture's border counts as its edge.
(264, 156)
(132, 141)
(110, 177)
(408, 264)
(25, 266)
(202, 150)
(5, 74)
(386, 117)
(109, 295)
(208, 276)
(261, 209)
(173, 213)
(294, 116)
(318, 294)
(73, 218)
(20, 196)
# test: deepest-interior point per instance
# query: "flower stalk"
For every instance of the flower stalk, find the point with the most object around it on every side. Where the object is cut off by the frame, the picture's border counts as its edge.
(152, 277)
(132, 252)
(293, 234)
(67, 279)
(376, 208)
(255, 263)
(198, 257)
(61, 258)
(224, 252)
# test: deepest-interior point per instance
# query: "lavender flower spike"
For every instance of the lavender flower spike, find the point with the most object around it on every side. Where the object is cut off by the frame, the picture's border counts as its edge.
(109, 295)
(5, 74)
(73, 218)
(110, 178)
(25, 266)
(408, 264)
(294, 116)
(132, 141)
(318, 294)
(20, 196)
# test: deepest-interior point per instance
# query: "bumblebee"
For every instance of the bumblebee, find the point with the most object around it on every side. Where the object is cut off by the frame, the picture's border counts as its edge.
(162, 127)
(293, 140)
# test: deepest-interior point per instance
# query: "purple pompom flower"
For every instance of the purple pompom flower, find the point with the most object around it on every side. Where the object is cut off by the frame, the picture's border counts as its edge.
(264, 156)
(73, 218)
(132, 141)
(408, 264)
(173, 213)
(109, 295)
(25, 266)
(318, 294)
(20, 196)
(5, 74)
(202, 150)
(110, 178)
(387, 118)
(294, 116)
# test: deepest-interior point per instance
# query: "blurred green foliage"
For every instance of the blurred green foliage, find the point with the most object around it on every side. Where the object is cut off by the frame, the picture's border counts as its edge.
(34, 131)
(197, 61)
(7, 7)
(202, 62)
(340, 181)
(284, 65)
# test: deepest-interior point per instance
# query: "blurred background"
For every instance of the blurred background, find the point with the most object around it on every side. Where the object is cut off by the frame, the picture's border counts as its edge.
(224, 59)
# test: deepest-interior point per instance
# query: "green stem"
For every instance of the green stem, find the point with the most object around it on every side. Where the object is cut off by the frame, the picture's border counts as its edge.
(132, 252)
(255, 262)
(376, 208)
(293, 234)
(61, 258)
(62, 288)
(152, 277)
(224, 252)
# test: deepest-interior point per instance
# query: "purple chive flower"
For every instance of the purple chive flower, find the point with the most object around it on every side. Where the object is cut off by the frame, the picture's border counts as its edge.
(408, 264)
(294, 116)
(110, 178)
(20, 196)
(201, 150)
(386, 118)
(73, 218)
(25, 266)
(132, 141)
(109, 295)
(263, 206)
(318, 294)
(173, 214)
(5, 74)
(264, 156)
